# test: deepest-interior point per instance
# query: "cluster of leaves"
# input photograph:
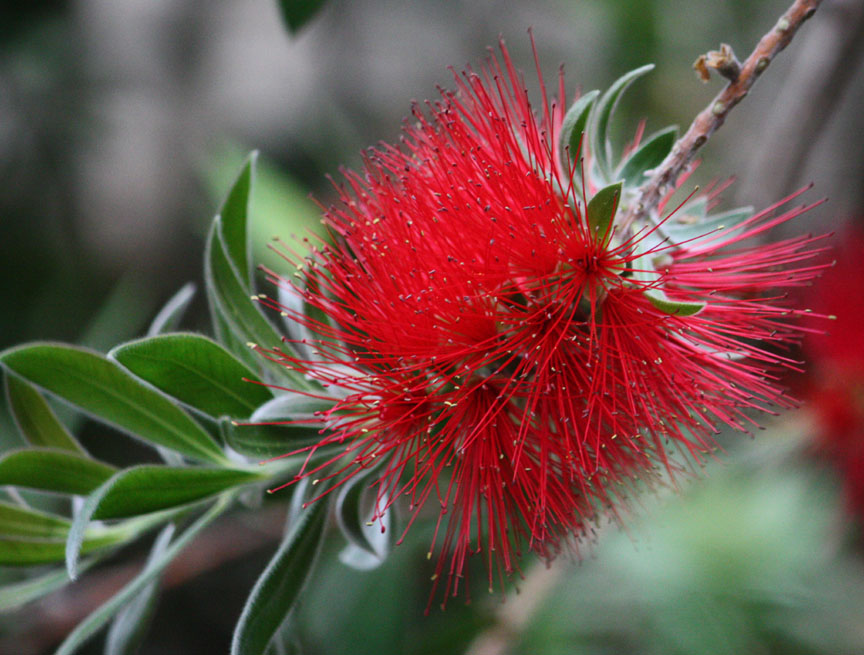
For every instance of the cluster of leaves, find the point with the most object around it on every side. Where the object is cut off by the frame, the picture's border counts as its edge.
(183, 394)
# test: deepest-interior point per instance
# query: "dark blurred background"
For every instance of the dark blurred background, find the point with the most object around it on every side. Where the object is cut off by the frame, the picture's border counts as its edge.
(122, 123)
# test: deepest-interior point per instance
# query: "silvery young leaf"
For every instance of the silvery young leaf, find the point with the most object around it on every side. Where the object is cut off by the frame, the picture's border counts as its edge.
(235, 218)
(196, 371)
(648, 156)
(35, 418)
(130, 626)
(602, 149)
(694, 233)
(13, 596)
(169, 317)
(601, 210)
(53, 470)
(151, 571)
(102, 388)
(574, 126)
(352, 518)
(297, 13)
(280, 584)
(661, 302)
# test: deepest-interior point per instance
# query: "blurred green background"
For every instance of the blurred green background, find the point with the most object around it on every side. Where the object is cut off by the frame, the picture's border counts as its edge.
(122, 123)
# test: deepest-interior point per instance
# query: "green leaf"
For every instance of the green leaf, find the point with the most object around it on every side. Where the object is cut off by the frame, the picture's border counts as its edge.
(235, 217)
(297, 13)
(648, 156)
(196, 371)
(31, 551)
(267, 441)
(233, 302)
(130, 626)
(280, 585)
(35, 418)
(53, 470)
(151, 571)
(574, 126)
(24, 522)
(97, 385)
(169, 317)
(144, 489)
(601, 211)
(605, 107)
(661, 302)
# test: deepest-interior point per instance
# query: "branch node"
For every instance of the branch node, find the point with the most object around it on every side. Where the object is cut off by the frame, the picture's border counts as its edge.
(723, 61)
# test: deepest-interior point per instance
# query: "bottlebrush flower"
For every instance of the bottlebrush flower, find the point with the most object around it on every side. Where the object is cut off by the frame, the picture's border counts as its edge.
(499, 346)
(835, 387)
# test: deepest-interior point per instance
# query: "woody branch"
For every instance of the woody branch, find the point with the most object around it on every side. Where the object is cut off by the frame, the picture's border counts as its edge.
(714, 115)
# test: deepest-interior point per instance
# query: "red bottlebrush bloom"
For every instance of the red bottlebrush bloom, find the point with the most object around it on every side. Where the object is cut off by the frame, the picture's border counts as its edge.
(501, 348)
(836, 385)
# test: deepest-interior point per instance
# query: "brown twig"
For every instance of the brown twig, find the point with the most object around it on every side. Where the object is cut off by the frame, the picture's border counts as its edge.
(714, 115)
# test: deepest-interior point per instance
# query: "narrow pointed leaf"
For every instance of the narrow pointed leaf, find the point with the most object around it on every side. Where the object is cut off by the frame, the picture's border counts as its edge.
(268, 441)
(601, 210)
(18, 521)
(35, 419)
(145, 489)
(605, 108)
(101, 387)
(32, 551)
(17, 594)
(196, 371)
(53, 470)
(350, 514)
(281, 583)
(648, 156)
(235, 218)
(661, 302)
(574, 124)
(169, 317)
(239, 310)
(151, 571)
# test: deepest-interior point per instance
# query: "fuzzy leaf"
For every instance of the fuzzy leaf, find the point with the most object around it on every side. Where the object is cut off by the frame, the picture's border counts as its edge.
(145, 489)
(152, 570)
(32, 551)
(693, 233)
(169, 317)
(99, 386)
(602, 149)
(196, 371)
(235, 217)
(53, 470)
(35, 418)
(13, 596)
(573, 126)
(130, 626)
(648, 156)
(24, 522)
(601, 211)
(280, 584)
(234, 304)
(674, 307)
(268, 441)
